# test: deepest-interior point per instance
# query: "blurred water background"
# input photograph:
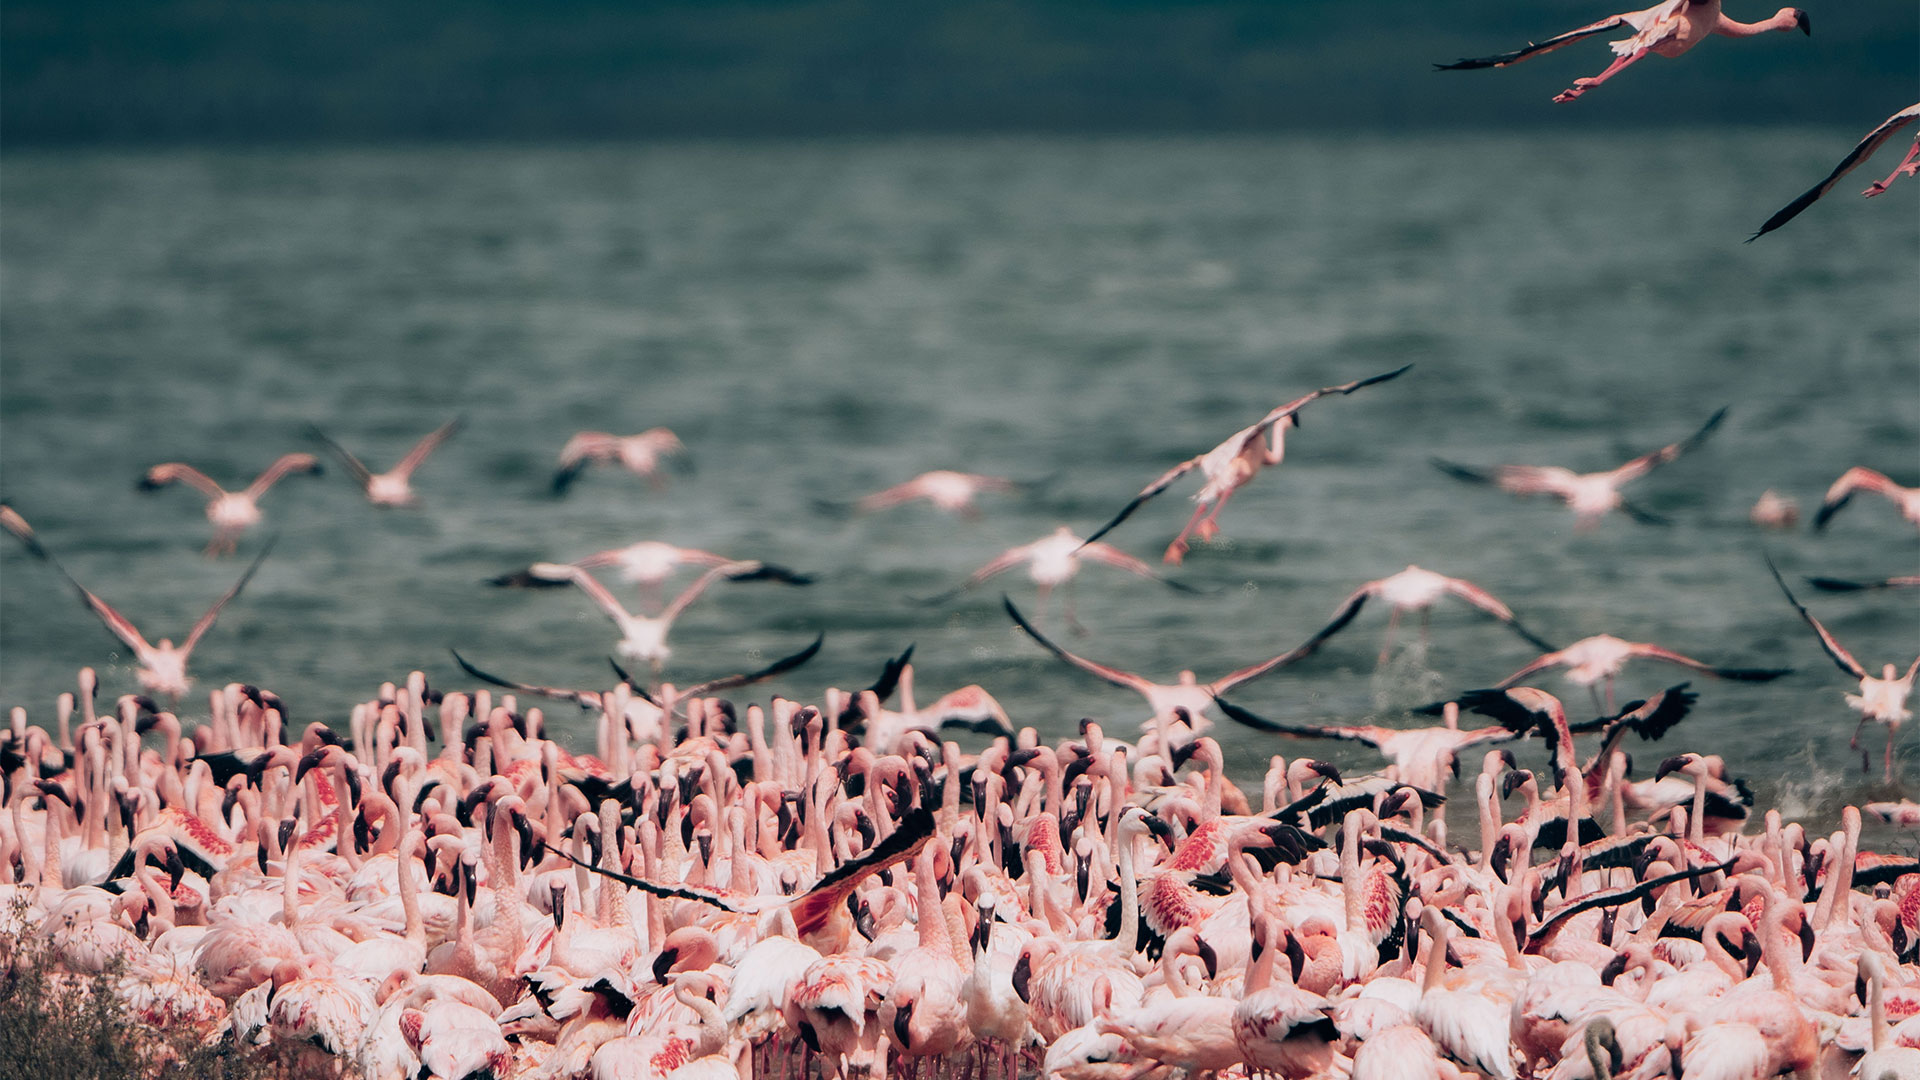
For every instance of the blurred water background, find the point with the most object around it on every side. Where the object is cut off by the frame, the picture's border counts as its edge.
(818, 319)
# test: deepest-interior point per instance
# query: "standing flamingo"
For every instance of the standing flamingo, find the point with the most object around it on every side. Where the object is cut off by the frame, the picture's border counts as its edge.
(395, 486)
(1863, 150)
(1670, 29)
(232, 512)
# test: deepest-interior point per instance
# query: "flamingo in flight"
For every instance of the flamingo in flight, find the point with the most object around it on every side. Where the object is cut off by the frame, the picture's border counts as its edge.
(1053, 561)
(1859, 479)
(644, 637)
(1419, 755)
(1190, 694)
(232, 512)
(1229, 466)
(593, 699)
(395, 486)
(641, 454)
(1910, 165)
(1591, 660)
(163, 665)
(1415, 589)
(1670, 29)
(951, 491)
(648, 564)
(1589, 495)
(1883, 699)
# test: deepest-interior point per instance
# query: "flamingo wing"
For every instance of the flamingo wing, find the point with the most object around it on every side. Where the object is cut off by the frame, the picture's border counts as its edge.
(285, 464)
(588, 584)
(1108, 555)
(1540, 663)
(1834, 649)
(1372, 736)
(354, 466)
(1298, 652)
(1159, 485)
(1487, 602)
(206, 621)
(1006, 561)
(1294, 406)
(587, 699)
(1533, 49)
(161, 475)
(427, 446)
(744, 568)
(1825, 584)
(1843, 489)
(1655, 652)
(1110, 674)
(583, 449)
(778, 667)
(1646, 463)
(116, 622)
(11, 521)
(1861, 152)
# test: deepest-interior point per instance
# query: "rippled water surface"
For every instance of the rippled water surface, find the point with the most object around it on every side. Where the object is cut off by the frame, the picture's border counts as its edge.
(819, 320)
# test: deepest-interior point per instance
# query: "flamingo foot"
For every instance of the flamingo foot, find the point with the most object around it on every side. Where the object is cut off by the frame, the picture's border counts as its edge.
(1580, 86)
(1176, 552)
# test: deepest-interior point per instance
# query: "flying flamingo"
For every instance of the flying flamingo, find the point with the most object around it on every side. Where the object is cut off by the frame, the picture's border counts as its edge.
(1415, 589)
(1195, 697)
(1591, 660)
(1670, 29)
(232, 512)
(163, 665)
(640, 454)
(644, 637)
(951, 491)
(1053, 561)
(1859, 479)
(1419, 755)
(1860, 153)
(1883, 699)
(1589, 495)
(1228, 467)
(395, 486)
(647, 564)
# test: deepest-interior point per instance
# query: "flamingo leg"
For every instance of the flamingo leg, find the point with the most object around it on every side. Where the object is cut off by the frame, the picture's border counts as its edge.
(1581, 86)
(1210, 527)
(1073, 624)
(1909, 166)
(1386, 644)
(1889, 757)
(1041, 616)
(1854, 743)
(1178, 549)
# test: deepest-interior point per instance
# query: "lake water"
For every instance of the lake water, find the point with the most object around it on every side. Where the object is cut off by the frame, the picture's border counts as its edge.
(820, 319)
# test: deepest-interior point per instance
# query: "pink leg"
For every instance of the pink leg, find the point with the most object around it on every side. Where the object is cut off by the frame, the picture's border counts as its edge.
(1581, 86)
(1854, 743)
(1040, 617)
(1073, 624)
(1889, 758)
(1210, 528)
(1386, 645)
(1178, 549)
(1910, 166)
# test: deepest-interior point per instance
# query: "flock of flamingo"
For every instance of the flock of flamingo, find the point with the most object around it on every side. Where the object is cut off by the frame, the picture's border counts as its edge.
(831, 889)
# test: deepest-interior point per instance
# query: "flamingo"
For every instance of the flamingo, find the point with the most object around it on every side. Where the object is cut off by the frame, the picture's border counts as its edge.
(232, 512)
(1419, 755)
(163, 666)
(1859, 479)
(644, 637)
(647, 564)
(1053, 561)
(1863, 150)
(395, 486)
(1590, 495)
(1774, 511)
(1670, 29)
(1415, 589)
(641, 454)
(1594, 659)
(1882, 700)
(1188, 694)
(951, 491)
(1883, 1061)
(1229, 466)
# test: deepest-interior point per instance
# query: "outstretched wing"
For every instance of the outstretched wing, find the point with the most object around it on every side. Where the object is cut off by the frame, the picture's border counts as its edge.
(1534, 49)
(1299, 652)
(1294, 406)
(1855, 479)
(1646, 463)
(1655, 652)
(161, 475)
(1858, 154)
(1540, 663)
(587, 699)
(1840, 655)
(778, 667)
(1113, 675)
(1487, 602)
(1369, 735)
(582, 450)
(354, 466)
(11, 521)
(1006, 561)
(1825, 584)
(284, 465)
(206, 621)
(1161, 484)
(1112, 556)
(428, 445)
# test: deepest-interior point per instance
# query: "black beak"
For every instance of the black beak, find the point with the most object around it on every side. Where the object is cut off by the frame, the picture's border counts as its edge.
(1806, 22)
(1022, 974)
(1296, 956)
(177, 869)
(1672, 764)
(287, 829)
(663, 963)
(901, 1018)
(1806, 939)
(1208, 957)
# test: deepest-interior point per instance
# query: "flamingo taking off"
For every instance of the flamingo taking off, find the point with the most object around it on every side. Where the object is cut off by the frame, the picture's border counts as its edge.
(1859, 479)
(232, 512)
(951, 491)
(1052, 561)
(1861, 152)
(1591, 660)
(641, 454)
(644, 637)
(1670, 29)
(1188, 693)
(1883, 699)
(647, 564)
(1415, 589)
(395, 486)
(1228, 467)
(163, 665)
(1589, 495)
(1419, 755)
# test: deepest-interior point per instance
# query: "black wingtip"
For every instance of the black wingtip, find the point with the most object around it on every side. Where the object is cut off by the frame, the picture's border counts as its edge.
(1828, 584)
(1242, 716)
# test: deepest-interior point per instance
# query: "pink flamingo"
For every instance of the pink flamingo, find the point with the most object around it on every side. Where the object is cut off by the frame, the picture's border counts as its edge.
(1859, 479)
(1589, 495)
(641, 454)
(232, 512)
(647, 564)
(951, 491)
(1669, 29)
(1861, 152)
(1591, 660)
(1882, 700)
(395, 486)
(1228, 467)
(1052, 561)
(1415, 589)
